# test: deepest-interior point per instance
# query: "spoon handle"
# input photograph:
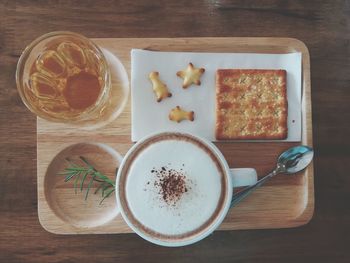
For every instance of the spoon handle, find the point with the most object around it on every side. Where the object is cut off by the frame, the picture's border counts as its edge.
(240, 195)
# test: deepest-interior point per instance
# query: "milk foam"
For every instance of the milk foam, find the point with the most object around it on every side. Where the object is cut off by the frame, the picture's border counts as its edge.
(195, 206)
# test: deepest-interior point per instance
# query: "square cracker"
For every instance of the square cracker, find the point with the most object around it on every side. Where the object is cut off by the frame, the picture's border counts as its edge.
(251, 104)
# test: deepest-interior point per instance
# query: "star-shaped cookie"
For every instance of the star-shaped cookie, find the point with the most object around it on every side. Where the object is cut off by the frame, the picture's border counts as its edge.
(190, 75)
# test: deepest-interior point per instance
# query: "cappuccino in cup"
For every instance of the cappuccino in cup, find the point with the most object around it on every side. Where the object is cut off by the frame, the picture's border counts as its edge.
(173, 189)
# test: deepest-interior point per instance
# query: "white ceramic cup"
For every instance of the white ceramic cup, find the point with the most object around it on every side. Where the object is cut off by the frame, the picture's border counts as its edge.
(237, 177)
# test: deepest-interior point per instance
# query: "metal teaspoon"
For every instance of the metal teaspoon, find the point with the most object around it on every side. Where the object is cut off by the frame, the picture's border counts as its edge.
(291, 161)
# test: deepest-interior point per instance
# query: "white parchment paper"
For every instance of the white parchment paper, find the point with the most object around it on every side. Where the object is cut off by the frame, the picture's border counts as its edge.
(149, 116)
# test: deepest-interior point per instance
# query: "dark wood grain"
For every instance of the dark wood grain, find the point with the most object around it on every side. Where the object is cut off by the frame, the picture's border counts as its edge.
(325, 28)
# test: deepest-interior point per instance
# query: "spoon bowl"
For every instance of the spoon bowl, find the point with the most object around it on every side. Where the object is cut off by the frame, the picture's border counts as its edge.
(295, 159)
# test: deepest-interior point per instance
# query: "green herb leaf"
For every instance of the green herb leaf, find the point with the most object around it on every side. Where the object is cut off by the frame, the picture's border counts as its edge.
(89, 186)
(108, 193)
(83, 180)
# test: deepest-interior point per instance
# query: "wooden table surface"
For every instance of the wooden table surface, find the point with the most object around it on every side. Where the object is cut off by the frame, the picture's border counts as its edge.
(324, 26)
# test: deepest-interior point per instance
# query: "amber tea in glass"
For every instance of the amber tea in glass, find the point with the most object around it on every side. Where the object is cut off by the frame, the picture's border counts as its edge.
(64, 77)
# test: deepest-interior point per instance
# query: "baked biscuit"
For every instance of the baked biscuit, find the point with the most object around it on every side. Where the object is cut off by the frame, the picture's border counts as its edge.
(159, 88)
(177, 114)
(190, 75)
(251, 104)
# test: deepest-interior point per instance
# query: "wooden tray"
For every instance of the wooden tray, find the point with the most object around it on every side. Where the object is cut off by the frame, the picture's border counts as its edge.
(286, 201)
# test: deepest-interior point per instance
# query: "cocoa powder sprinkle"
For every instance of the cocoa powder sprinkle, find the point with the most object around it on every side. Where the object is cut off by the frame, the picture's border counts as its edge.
(170, 184)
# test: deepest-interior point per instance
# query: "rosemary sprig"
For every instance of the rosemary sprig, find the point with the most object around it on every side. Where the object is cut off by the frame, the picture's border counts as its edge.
(88, 172)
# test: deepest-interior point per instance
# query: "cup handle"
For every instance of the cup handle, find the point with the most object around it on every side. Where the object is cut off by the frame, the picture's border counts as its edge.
(243, 176)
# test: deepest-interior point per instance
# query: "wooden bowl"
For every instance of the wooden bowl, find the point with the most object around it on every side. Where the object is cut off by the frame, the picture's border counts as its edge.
(68, 203)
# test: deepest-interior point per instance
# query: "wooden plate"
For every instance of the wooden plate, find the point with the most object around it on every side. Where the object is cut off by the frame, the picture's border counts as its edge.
(283, 202)
(72, 205)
